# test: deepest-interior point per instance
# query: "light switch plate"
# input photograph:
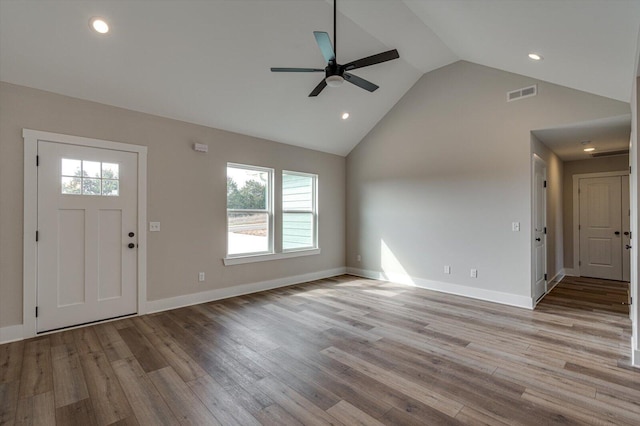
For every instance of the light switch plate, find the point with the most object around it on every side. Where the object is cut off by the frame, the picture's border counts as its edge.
(515, 226)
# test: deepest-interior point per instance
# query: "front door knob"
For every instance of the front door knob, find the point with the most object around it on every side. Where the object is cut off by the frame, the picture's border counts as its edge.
(131, 235)
(537, 239)
(617, 232)
(627, 246)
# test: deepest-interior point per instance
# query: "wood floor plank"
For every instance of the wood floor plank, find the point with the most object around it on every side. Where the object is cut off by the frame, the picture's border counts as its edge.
(186, 406)
(37, 410)
(221, 403)
(8, 402)
(79, 413)
(350, 415)
(142, 349)
(68, 379)
(37, 375)
(146, 402)
(274, 415)
(295, 404)
(109, 401)
(11, 361)
(113, 346)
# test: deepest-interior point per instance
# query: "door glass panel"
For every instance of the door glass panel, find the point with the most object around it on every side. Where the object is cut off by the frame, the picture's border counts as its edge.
(110, 171)
(110, 187)
(91, 186)
(71, 167)
(91, 169)
(71, 185)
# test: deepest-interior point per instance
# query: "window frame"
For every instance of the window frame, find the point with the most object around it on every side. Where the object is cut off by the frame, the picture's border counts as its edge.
(268, 210)
(313, 211)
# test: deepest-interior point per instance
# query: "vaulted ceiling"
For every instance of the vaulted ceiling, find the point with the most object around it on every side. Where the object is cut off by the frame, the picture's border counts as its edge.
(207, 62)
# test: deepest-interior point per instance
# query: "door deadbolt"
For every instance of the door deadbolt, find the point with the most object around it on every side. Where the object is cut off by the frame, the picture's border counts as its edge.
(131, 245)
(131, 235)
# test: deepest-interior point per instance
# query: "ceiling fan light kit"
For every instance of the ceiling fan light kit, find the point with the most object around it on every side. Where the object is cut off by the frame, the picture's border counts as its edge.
(336, 74)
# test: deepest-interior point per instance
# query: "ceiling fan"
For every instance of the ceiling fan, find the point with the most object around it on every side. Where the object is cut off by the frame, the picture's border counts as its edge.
(336, 74)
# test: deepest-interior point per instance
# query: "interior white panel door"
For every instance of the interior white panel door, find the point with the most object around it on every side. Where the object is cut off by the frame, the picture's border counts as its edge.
(601, 227)
(539, 228)
(87, 235)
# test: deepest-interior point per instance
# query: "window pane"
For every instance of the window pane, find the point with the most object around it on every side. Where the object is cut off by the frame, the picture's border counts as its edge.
(247, 189)
(248, 232)
(110, 171)
(71, 185)
(297, 192)
(91, 186)
(110, 187)
(91, 169)
(297, 230)
(71, 167)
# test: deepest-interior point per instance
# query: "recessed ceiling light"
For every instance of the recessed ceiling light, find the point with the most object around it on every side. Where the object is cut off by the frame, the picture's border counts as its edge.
(345, 115)
(535, 57)
(589, 149)
(585, 142)
(99, 25)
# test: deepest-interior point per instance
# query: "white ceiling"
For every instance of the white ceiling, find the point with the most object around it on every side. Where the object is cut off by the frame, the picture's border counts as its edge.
(207, 62)
(605, 135)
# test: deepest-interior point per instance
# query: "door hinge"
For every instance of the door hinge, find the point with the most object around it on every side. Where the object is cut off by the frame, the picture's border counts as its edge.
(579, 262)
(579, 227)
(629, 169)
(37, 160)
(545, 230)
(545, 184)
(36, 312)
(545, 277)
(37, 236)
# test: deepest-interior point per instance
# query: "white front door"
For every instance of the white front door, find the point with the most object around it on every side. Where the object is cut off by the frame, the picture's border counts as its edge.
(87, 235)
(539, 228)
(601, 227)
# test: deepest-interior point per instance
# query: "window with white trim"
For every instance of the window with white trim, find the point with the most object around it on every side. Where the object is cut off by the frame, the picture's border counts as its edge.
(249, 210)
(299, 211)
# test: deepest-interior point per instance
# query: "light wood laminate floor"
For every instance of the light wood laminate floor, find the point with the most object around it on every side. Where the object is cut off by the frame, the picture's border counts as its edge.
(338, 351)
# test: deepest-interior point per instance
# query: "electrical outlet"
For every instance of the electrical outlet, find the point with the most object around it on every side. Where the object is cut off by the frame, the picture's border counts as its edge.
(474, 273)
(447, 269)
(359, 258)
(154, 226)
(515, 226)
(201, 276)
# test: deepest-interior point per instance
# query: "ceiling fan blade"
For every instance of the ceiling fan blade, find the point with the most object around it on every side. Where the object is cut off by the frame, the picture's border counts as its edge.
(318, 88)
(360, 82)
(372, 60)
(324, 43)
(296, 70)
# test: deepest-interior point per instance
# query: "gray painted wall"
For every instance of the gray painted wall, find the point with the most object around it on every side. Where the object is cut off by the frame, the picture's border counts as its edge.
(441, 177)
(186, 193)
(592, 165)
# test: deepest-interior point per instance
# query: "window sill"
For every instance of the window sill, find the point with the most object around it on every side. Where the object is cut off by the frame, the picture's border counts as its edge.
(228, 261)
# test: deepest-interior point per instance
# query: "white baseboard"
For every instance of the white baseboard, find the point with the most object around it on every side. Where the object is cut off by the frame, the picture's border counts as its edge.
(239, 290)
(457, 289)
(11, 333)
(569, 272)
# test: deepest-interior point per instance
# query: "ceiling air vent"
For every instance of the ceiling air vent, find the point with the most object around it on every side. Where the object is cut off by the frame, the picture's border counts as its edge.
(525, 92)
(610, 153)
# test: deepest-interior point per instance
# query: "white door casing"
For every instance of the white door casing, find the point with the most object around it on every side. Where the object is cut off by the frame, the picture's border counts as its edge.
(600, 227)
(86, 265)
(99, 211)
(626, 229)
(539, 237)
